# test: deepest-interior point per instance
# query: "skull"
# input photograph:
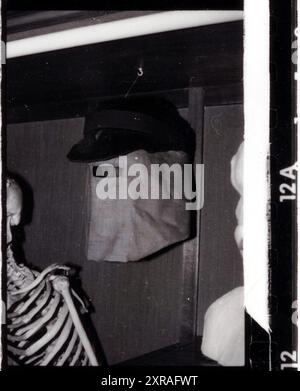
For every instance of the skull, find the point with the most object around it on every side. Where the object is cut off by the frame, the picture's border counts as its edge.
(13, 207)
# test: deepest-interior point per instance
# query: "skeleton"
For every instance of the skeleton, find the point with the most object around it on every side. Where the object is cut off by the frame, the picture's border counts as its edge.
(44, 327)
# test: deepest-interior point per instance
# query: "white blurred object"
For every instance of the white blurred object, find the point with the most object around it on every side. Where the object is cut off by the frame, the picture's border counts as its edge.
(224, 329)
(224, 322)
(237, 167)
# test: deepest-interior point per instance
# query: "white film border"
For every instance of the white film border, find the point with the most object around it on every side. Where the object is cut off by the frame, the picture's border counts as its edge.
(256, 160)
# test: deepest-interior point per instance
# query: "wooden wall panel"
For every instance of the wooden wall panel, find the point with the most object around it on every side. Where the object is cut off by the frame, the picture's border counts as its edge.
(137, 305)
(37, 151)
(221, 266)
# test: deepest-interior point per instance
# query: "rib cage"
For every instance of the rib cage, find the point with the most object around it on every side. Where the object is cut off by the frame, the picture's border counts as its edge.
(44, 327)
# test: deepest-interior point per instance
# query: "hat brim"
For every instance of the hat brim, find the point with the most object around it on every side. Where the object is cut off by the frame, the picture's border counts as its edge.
(106, 144)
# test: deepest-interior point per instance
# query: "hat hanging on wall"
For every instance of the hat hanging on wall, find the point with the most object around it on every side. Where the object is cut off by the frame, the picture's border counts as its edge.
(148, 132)
(127, 125)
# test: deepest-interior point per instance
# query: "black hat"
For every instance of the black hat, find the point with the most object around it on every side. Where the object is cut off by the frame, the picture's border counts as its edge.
(122, 128)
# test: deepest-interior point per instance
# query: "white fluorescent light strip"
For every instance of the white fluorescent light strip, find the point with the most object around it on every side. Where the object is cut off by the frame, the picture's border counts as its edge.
(256, 175)
(119, 29)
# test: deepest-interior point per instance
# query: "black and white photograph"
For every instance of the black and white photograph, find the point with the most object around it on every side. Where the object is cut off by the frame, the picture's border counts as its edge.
(123, 149)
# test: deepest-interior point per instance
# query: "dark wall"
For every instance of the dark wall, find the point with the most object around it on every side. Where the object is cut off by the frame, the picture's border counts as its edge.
(206, 56)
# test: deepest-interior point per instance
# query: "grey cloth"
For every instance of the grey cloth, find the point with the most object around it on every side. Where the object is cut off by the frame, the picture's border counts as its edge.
(122, 230)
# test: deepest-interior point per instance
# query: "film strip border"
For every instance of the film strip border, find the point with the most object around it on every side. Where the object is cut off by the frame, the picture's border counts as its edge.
(277, 351)
(283, 164)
